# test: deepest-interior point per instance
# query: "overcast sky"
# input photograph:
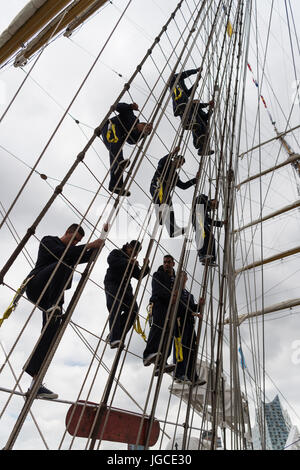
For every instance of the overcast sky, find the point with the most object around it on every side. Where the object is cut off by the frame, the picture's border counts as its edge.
(26, 129)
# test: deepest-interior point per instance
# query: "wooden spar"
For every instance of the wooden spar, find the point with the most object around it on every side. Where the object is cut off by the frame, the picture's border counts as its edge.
(290, 160)
(288, 208)
(31, 26)
(279, 136)
(84, 16)
(52, 29)
(271, 309)
(284, 254)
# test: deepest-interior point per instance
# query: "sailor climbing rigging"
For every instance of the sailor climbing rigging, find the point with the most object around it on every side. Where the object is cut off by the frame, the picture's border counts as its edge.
(184, 349)
(57, 257)
(202, 223)
(124, 127)
(162, 285)
(122, 267)
(163, 182)
(192, 117)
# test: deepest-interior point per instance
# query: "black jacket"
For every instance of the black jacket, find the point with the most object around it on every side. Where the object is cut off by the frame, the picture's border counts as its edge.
(203, 199)
(124, 122)
(167, 175)
(50, 251)
(181, 93)
(162, 285)
(187, 307)
(115, 276)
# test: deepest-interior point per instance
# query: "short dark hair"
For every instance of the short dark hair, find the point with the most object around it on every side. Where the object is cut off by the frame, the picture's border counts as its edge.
(169, 256)
(75, 227)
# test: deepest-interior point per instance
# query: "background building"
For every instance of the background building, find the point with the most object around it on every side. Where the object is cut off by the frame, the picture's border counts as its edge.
(280, 433)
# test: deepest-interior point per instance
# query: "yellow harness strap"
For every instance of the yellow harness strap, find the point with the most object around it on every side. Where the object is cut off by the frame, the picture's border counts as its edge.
(112, 129)
(177, 93)
(161, 193)
(13, 305)
(137, 324)
(178, 345)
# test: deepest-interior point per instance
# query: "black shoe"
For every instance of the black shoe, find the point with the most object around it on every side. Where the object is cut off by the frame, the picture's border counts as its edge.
(150, 359)
(121, 192)
(43, 392)
(199, 382)
(182, 380)
(116, 344)
(202, 152)
(167, 369)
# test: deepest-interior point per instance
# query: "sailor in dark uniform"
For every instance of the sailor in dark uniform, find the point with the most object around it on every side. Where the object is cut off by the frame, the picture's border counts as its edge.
(203, 223)
(185, 338)
(164, 180)
(162, 285)
(122, 267)
(195, 119)
(124, 127)
(53, 255)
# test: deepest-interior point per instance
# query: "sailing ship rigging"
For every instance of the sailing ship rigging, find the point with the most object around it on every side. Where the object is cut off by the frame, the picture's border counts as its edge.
(68, 65)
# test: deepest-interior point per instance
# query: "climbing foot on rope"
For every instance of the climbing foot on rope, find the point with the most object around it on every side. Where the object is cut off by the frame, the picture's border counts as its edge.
(150, 359)
(166, 369)
(203, 153)
(116, 344)
(44, 392)
(121, 192)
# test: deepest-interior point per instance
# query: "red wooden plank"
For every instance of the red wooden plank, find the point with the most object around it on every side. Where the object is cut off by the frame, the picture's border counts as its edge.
(121, 425)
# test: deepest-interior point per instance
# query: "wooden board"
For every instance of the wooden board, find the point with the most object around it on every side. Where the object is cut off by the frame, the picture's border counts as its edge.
(121, 425)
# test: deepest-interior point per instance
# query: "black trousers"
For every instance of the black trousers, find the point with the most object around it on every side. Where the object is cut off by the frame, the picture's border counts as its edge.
(204, 250)
(159, 320)
(115, 150)
(188, 340)
(119, 313)
(50, 297)
(200, 129)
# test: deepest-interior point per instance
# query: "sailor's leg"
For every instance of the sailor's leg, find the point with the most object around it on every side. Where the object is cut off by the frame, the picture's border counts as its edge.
(167, 217)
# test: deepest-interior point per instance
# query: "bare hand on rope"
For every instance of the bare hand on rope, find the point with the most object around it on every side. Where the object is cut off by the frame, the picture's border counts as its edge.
(175, 151)
(99, 242)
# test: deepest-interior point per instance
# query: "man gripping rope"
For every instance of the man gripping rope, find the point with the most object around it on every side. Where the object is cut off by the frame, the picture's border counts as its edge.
(185, 338)
(203, 223)
(59, 255)
(122, 267)
(195, 118)
(162, 285)
(164, 180)
(124, 127)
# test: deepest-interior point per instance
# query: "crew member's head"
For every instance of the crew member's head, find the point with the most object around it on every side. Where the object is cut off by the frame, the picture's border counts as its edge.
(133, 248)
(70, 233)
(179, 161)
(168, 264)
